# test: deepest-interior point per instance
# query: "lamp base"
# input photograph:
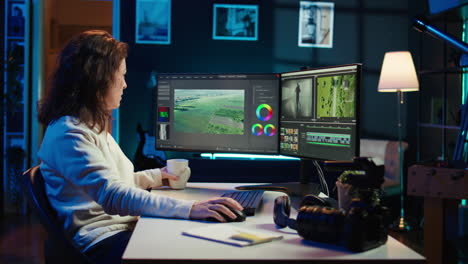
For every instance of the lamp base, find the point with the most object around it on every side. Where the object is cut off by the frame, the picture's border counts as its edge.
(400, 225)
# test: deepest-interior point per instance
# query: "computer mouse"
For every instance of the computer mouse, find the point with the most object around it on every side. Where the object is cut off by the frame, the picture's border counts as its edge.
(240, 216)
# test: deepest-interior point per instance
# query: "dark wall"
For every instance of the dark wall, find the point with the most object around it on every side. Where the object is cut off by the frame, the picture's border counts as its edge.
(192, 49)
(363, 32)
(2, 59)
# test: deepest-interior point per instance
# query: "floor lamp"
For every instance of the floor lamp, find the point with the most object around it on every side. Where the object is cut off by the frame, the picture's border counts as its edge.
(399, 75)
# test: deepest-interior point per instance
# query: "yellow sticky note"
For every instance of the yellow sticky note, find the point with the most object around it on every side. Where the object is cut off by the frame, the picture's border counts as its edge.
(250, 238)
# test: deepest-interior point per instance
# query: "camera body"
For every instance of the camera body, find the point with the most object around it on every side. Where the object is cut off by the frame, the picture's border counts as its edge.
(361, 226)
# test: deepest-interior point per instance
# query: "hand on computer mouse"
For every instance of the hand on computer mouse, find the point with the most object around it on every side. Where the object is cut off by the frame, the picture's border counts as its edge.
(240, 217)
(214, 207)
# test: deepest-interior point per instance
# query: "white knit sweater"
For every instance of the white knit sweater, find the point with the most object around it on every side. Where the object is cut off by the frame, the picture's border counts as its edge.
(92, 186)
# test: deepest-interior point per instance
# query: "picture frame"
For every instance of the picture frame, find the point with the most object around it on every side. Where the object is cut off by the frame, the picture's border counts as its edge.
(153, 22)
(235, 22)
(16, 19)
(316, 24)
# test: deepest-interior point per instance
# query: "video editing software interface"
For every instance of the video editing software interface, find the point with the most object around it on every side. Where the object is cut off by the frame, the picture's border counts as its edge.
(319, 113)
(218, 112)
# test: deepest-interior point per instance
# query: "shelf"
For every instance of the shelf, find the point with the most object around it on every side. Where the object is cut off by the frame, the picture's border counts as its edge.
(15, 38)
(438, 126)
(14, 133)
(444, 71)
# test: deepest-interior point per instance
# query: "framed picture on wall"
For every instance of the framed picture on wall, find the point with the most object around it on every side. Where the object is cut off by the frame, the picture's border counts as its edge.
(235, 22)
(153, 22)
(316, 24)
(16, 19)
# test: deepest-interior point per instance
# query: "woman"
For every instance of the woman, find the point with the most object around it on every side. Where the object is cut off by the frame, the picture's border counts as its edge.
(89, 180)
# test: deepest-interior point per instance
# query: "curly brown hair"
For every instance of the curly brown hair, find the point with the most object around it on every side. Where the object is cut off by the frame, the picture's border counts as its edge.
(85, 70)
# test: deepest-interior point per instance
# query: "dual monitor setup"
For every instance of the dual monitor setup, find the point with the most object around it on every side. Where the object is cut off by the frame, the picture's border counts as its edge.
(310, 114)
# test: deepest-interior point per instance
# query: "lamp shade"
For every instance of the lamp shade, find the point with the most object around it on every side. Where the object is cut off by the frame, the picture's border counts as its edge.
(398, 73)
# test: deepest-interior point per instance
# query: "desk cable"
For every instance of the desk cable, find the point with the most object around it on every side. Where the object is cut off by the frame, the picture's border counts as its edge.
(321, 176)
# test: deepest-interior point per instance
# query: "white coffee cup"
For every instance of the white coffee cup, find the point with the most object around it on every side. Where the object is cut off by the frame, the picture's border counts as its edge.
(180, 168)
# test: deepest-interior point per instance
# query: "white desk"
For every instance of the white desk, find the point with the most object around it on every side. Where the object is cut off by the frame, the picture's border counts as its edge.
(159, 240)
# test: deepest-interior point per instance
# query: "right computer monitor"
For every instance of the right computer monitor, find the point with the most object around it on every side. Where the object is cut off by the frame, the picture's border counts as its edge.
(319, 113)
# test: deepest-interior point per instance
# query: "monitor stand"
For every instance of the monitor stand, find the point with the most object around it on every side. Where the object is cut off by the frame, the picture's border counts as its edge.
(293, 189)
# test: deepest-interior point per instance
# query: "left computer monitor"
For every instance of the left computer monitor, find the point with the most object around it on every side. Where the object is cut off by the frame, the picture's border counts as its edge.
(218, 112)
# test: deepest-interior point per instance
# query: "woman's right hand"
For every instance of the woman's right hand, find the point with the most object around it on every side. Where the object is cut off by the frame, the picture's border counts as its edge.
(209, 208)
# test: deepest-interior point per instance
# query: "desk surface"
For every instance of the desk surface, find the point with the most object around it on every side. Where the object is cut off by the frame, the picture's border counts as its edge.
(160, 240)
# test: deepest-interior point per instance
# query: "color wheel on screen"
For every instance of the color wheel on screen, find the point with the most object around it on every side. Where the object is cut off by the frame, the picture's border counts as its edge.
(257, 129)
(269, 130)
(264, 112)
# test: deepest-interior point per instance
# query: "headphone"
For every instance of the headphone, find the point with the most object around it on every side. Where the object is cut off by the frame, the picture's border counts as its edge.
(316, 219)
(360, 228)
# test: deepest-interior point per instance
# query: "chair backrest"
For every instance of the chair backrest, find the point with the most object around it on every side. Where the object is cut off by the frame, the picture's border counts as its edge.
(34, 188)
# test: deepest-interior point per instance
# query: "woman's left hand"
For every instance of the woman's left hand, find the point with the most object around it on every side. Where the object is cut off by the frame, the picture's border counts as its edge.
(166, 176)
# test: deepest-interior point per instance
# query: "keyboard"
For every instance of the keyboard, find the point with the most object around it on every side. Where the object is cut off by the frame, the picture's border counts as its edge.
(250, 200)
(290, 188)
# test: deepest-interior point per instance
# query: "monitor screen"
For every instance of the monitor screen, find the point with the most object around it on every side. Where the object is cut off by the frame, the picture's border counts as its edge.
(218, 112)
(319, 115)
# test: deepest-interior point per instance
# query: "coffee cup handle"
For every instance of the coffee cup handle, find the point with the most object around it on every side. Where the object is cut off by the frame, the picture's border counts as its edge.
(188, 171)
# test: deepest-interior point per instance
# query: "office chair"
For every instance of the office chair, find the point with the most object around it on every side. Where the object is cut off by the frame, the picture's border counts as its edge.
(59, 248)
